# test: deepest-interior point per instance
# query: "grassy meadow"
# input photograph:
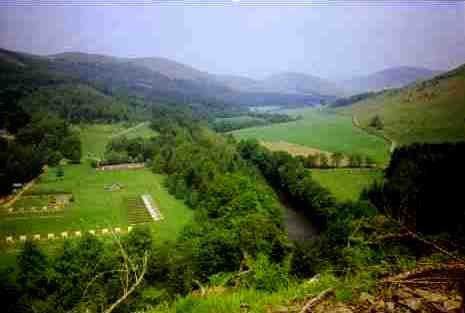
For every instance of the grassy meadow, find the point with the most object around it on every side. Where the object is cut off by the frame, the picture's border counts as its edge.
(96, 136)
(321, 130)
(92, 206)
(346, 184)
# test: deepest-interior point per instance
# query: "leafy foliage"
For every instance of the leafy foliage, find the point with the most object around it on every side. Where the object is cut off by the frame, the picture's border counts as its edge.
(419, 180)
(76, 103)
(237, 214)
(288, 175)
(250, 120)
(45, 140)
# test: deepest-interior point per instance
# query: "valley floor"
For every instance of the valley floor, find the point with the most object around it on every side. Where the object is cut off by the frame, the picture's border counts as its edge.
(321, 130)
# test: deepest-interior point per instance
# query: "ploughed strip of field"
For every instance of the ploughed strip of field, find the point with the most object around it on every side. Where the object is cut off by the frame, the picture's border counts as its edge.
(299, 226)
(293, 149)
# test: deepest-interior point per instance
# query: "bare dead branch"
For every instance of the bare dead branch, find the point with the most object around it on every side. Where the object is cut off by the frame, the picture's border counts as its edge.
(314, 301)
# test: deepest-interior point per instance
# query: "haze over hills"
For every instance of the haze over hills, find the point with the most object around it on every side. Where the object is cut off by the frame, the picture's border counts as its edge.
(282, 83)
(170, 68)
(166, 80)
(389, 78)
(163, 80)
(301, 83)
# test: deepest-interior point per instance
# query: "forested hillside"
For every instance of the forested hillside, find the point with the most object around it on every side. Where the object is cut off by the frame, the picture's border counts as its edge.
(76, 103)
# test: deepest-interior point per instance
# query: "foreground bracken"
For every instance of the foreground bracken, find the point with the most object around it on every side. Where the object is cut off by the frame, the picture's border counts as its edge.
(431, 288)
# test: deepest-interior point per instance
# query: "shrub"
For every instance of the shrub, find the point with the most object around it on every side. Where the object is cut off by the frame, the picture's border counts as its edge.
(376, 122)
(269, 276)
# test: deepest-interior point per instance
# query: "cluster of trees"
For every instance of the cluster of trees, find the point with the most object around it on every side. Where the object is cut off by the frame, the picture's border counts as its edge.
(353, 99)
(422, 190)
(376, 123)
(18, 164)
(76, 103)
(52, 135)
(250, 120)
(237, 216)
(44, 140)
(335, 160)
(86, 275)
(123, 150)
(287, 174)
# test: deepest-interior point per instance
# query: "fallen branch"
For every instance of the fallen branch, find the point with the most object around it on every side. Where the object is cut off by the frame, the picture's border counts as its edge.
(425, 241)
(314, 301)
(443, 272)
(202, 289)
(386, 237)
(131, 276)
(434, 245)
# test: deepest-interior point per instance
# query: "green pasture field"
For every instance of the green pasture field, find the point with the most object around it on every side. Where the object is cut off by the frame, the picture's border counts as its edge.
(346, 184)
(321, 130)
(94, 207)
(96, 136)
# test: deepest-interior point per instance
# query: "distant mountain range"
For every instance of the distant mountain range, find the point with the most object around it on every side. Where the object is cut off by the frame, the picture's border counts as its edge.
(292, 83)
(395, 77)
(164, 80)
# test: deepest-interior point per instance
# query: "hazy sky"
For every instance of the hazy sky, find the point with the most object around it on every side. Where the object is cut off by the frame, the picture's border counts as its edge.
(255, 38)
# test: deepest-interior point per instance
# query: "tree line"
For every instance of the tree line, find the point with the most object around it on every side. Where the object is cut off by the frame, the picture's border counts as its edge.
(422, 189)
(336, 160)
(45, 140)
(251, 119)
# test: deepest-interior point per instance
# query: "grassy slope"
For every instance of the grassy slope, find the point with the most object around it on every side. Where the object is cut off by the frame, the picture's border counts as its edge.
(233, 300)
(346, 184)
(96, 136)
(321, 130)
(431, 111)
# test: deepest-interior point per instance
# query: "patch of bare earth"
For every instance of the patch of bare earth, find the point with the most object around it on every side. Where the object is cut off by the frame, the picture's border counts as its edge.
(125, 166)
(292, 148)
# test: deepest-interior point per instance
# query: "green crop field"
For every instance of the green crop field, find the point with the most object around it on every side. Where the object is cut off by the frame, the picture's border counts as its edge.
(93, 206)
(346, 184)
(432, 111)
(321, 130)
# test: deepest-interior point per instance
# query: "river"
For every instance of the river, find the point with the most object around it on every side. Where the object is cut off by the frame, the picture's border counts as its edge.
(299, 226)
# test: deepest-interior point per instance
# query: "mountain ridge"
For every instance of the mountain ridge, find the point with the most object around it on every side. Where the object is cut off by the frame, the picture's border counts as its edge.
(388, 78)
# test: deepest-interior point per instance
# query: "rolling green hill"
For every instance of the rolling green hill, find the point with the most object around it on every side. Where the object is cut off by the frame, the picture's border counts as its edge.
(430, 111)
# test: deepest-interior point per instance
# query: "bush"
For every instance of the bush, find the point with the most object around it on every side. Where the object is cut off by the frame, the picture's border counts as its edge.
(94, 163)
(306, 261)
(376, 122)
(269, 276)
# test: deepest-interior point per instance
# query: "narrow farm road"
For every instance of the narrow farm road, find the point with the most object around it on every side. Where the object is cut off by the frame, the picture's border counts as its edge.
(124, 132)
(392, 142)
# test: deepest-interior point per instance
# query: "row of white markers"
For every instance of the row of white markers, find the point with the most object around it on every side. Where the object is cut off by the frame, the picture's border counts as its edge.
(65, 234)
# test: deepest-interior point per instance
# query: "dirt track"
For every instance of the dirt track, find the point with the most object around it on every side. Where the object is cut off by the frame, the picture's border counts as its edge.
(392, 142)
